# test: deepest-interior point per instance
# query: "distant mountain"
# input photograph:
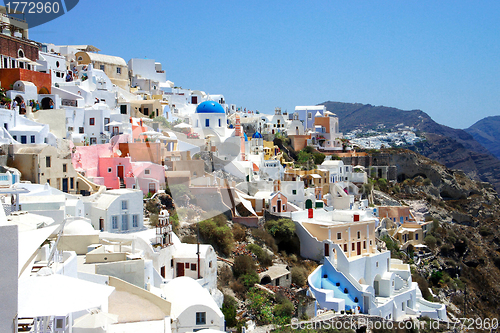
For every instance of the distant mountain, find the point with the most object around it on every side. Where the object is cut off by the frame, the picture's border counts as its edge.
(454, 148)
(487, 133)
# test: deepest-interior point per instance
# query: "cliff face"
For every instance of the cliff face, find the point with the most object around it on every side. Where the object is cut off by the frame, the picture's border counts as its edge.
(467, 241)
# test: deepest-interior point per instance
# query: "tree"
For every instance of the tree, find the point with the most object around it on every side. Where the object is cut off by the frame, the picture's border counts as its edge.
(282, 229)
(229, 308)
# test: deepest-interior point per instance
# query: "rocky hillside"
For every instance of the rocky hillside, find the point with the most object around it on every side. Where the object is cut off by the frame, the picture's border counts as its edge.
(487, 133)
(465, 239)
(454, 148)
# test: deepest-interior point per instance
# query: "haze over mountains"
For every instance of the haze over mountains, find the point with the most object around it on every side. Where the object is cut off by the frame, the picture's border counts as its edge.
(470, 150)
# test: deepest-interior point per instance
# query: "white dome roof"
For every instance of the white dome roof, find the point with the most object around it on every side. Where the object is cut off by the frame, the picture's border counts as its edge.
(79, 227)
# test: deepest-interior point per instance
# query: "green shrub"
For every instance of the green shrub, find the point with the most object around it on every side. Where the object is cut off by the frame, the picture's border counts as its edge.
(219, 236)
(229, 308)
(239, 233)
(259, 303)
(430, 241)
(264, 258)
(243, 265)
(436, 276)
(262, 237)
(249, 279)
(299, 275)
(282, 229)
(284, 309)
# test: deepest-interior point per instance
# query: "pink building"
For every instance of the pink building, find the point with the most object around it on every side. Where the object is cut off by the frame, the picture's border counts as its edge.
(105, 165)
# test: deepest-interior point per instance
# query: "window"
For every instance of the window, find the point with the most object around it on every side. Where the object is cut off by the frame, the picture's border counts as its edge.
(23, 139)
(14, 137)
(72, 183)
(186, 265)
(124, 204)
(376, 264)
(118, 70)
(47, 161)
(110, 170)
(219, 123)
(339, 235)
(193, 267)
(210, 264)
(81, 130)
(345, 247)
(106, 121)
(64, 167)
(93, 140)
(92, 121)
(59, 323)
(207, 122)
(80, 58)
(416, 236)
(135, 221)
(101, 67)
(352, 246)
(359, 234)
(309, 115)
(124, 222)
(6, 126)
(32, 139)
(114, 222)
(201, 318)
(146, 172)
(364, 245)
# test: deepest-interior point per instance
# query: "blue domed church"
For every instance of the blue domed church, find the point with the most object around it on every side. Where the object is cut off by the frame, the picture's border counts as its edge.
(210, 117)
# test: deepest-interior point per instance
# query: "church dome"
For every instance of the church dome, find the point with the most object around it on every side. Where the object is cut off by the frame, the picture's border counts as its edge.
(79, 227)
(257, 135)
(210, 107)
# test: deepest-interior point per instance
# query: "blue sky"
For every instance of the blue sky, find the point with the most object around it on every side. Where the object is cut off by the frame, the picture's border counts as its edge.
(437, 56)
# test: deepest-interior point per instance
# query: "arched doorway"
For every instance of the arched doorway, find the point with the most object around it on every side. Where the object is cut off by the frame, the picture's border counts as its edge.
(265, 280)
(19, 100)
(46, 103)
(309, 204)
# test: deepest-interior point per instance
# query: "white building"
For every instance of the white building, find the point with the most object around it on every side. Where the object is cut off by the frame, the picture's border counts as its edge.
(295, 126)
(9, 276)
(210, 119)
(116, 211)
(192, 308)
(307, 114)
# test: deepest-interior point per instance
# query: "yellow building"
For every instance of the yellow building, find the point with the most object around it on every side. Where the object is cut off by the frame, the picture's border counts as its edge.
(115, 67)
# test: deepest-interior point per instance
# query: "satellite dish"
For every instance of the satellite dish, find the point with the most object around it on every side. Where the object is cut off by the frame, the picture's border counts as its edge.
(119, 152)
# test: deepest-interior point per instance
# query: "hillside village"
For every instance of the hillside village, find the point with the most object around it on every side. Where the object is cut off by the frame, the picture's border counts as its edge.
(133, 205)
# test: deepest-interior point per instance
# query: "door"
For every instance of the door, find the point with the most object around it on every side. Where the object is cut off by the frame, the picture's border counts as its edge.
(327, 250)
(65, 185)
(194, 99)
(359, 248)
(279, 206)
(180, 269)
(101, 224)
(119, 171)
(163, 271)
